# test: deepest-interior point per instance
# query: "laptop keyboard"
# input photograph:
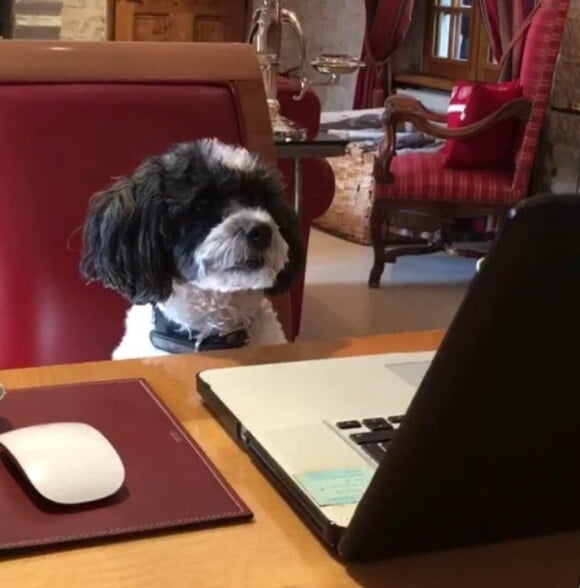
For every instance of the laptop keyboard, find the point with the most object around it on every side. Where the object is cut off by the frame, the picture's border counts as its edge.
(373, 435)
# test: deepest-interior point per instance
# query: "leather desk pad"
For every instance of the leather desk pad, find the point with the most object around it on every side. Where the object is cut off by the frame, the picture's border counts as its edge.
(169, 482)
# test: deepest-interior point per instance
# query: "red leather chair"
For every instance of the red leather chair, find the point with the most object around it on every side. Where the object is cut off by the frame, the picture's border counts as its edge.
(73, 116)
(317, 175)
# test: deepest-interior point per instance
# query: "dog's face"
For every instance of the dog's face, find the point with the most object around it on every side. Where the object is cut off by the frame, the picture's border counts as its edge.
(204, 213)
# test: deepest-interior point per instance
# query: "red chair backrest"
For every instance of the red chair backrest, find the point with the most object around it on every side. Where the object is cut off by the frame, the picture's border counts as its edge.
(59, 143)
(539, 59)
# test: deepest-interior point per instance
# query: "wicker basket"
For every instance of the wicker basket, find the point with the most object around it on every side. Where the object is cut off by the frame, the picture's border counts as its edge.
(349, 214)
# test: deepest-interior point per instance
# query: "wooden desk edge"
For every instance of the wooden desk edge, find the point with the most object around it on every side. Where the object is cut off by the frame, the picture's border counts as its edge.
(193, 363)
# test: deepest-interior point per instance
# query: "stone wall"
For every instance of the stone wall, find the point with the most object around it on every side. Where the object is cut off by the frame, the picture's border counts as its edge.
(563, 130)
(84, 20)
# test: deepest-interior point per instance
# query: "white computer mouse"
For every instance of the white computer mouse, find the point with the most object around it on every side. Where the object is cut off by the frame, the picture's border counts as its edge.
(66, 463)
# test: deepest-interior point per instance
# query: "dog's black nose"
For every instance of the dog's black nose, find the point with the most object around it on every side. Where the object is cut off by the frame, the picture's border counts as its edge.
(260, 235)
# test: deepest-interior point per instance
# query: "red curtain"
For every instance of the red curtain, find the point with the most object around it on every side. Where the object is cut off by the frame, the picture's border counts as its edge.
(387, 23)
(506, 24)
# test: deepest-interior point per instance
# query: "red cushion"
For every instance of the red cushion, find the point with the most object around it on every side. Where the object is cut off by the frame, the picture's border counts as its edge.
(470, 102)
(460, 96)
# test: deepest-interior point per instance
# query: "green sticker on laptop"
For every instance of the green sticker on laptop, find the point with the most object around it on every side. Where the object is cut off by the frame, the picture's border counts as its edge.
(337, 486)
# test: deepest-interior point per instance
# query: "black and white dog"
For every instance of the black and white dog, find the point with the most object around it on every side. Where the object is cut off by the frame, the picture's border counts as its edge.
(195, 239)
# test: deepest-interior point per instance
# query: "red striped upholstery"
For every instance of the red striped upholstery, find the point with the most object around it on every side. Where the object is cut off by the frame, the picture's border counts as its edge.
(538, 65)
(421, 176)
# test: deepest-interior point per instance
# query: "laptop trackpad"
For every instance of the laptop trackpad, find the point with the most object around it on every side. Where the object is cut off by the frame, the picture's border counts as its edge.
(412, 372)
(309, 448)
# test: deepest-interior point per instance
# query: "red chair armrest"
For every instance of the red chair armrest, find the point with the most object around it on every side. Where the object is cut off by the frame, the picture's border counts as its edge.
(400, 109)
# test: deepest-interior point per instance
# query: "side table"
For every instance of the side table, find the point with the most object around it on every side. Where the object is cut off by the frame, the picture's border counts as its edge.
(323, 145)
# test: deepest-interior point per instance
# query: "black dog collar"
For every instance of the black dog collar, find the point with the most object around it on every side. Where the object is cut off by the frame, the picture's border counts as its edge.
(168, 336)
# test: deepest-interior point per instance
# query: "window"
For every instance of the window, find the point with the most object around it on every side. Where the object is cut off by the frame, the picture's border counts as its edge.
(456, 45)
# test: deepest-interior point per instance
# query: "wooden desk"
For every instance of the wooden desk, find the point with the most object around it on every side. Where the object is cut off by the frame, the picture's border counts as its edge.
(276, 549)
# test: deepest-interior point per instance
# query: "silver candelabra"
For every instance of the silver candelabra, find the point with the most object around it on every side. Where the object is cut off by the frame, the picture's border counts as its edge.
(266, 34)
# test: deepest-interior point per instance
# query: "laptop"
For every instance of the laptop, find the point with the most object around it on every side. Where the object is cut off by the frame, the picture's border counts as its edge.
(475, 442)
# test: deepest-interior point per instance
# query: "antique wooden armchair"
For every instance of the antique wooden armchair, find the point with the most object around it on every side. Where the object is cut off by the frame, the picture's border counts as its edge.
(416, 188)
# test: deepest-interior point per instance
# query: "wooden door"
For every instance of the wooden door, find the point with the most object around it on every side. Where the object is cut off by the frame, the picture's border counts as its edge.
(181, 20)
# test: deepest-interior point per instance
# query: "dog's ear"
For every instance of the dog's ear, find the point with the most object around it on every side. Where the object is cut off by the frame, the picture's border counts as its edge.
(126, 246)
(284, 216)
